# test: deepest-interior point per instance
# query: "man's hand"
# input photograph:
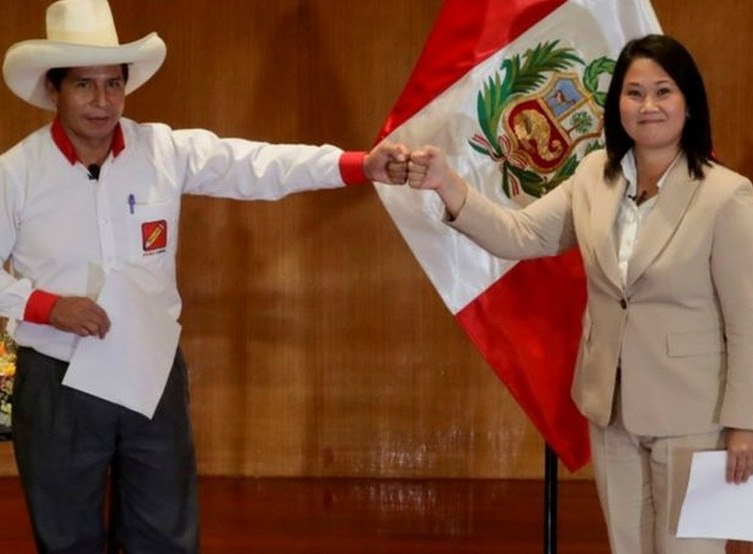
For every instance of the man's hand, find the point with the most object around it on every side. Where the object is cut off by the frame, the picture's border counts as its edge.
(79, 315)
(387, 163)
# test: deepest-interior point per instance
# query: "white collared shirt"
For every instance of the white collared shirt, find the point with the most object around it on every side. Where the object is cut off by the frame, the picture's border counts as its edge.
(62, 231)
(631, 216)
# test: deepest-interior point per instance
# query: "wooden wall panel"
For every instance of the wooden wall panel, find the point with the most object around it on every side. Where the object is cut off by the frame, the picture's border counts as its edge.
(316, 345)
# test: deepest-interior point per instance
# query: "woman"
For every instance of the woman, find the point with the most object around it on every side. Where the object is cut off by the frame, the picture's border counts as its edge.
(665, 366)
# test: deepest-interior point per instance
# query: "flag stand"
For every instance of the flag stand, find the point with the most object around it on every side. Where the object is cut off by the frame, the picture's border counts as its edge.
(550, 501)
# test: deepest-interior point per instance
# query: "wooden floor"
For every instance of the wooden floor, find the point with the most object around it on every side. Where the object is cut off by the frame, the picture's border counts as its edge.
(339, 516)
(325, 516)
(404, 517)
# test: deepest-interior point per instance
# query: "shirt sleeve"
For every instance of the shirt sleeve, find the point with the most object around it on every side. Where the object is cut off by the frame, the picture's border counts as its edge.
(39, 306)
(206, 164)
(351, 168)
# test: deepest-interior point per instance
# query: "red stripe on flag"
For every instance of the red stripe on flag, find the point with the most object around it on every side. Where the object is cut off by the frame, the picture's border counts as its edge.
(527, 325)
(465, 33)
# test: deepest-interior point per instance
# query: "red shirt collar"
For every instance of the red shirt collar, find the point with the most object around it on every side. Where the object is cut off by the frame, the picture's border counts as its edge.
(66, 146)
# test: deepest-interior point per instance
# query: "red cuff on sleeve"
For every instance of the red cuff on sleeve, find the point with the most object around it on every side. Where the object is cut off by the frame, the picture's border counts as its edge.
(39, 306)
(351, 168)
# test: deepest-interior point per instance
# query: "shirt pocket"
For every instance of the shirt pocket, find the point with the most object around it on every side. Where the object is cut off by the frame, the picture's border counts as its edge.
(152, 230)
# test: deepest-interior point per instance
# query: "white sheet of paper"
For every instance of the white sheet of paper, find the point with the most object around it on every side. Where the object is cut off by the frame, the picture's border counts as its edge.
(130, 366)
(714, 508)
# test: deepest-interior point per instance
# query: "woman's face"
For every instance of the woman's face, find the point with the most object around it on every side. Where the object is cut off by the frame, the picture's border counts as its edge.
(652, 107)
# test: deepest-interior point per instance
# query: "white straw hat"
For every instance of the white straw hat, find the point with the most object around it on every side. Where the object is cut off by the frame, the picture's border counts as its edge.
(79, 33)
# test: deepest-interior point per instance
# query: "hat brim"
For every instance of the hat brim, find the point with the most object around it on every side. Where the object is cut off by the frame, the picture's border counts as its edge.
(27, 62)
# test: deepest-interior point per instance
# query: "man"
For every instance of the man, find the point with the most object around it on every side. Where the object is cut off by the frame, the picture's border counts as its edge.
(94, 196)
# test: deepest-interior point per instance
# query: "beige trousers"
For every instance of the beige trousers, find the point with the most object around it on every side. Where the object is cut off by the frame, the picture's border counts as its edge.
(641, 483)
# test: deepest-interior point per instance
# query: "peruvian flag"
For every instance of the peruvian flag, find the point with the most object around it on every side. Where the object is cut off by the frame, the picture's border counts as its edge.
(513, 92)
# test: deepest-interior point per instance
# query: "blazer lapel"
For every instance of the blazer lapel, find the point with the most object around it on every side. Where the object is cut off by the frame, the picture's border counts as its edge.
(607, 199)
(671, 204)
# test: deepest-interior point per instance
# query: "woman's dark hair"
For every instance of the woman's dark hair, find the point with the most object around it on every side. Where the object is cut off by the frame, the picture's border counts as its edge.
(57, 74)
(673, 58)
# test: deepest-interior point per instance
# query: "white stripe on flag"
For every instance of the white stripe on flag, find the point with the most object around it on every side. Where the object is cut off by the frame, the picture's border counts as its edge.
(523, 317)
(459, 269)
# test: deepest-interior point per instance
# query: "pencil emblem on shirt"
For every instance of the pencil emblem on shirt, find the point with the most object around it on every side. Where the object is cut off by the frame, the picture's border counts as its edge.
(154, 235)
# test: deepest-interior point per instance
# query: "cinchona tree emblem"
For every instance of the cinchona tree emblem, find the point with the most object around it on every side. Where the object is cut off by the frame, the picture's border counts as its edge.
(537, 114)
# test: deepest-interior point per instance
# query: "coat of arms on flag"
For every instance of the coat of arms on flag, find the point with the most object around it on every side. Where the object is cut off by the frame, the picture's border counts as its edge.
(535, 112)
(512, 91)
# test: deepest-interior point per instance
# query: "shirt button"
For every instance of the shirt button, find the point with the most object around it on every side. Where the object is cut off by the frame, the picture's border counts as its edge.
(623, 304)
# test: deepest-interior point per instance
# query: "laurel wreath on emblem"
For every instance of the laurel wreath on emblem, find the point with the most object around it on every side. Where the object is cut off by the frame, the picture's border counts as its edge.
(511, 137)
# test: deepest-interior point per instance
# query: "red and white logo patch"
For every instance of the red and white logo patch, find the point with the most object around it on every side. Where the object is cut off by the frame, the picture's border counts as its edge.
(154, 235)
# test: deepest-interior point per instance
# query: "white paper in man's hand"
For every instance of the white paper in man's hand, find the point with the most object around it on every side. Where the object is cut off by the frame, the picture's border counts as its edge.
(714, 508)
(130, 366)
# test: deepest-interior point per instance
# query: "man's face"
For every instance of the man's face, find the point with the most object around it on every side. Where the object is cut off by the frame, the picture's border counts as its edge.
(90, 102)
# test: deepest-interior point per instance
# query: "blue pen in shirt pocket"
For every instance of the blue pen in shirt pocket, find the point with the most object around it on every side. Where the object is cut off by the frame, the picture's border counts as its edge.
(131, 203)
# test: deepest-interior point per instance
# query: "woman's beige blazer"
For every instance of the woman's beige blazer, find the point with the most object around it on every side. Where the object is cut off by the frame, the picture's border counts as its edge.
(681, 328)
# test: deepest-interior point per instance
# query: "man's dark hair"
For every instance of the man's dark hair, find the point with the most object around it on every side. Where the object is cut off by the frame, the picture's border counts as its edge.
(673, 58)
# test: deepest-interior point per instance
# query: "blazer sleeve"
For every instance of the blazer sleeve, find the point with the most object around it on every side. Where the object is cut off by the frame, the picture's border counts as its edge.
(543, 228)
(732, 274)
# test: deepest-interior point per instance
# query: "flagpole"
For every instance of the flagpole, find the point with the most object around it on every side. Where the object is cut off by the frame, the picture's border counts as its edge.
(550, 501)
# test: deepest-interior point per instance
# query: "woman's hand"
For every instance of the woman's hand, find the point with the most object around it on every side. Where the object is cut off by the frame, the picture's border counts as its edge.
(739, 455)
(428, 169)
